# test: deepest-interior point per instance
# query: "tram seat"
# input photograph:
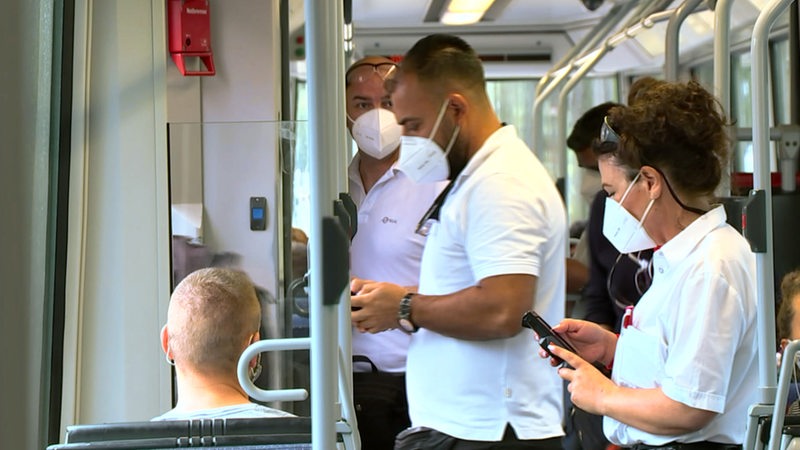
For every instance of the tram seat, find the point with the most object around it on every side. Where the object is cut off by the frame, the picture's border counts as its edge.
(256, 433)
(790, 432)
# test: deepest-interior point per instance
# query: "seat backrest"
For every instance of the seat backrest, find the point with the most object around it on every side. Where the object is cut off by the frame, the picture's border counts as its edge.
(255, 433)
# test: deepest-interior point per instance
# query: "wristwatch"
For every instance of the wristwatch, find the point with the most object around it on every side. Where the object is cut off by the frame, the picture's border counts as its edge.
(404, 314)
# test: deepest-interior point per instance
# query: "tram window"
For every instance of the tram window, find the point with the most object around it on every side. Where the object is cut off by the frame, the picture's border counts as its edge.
(512, 99)
(742, 112)
(301, 178)
(704, 74)
(301, 206)
(780, 80)
(301, 100)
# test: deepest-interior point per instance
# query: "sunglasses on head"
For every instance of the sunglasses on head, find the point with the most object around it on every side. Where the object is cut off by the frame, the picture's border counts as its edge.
(607, 134)
(383, 70)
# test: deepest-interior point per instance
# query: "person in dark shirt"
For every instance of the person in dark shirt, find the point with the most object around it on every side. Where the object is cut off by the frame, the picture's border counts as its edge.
(615, 281)
(612, 280)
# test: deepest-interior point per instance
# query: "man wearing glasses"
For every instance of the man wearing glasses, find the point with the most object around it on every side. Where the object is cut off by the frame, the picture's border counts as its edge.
(385, 246)
(496, 247)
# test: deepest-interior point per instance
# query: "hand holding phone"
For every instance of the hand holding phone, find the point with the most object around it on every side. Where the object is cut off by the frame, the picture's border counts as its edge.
(546, 334)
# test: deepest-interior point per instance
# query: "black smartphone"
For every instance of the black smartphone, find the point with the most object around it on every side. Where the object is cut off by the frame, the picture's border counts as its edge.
(546, 334)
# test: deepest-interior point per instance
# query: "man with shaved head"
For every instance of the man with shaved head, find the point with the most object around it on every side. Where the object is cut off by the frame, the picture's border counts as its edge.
(385, 247)
(213, 316)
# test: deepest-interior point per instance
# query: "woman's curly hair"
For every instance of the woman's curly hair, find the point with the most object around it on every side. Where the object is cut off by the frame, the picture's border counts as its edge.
(678, 128)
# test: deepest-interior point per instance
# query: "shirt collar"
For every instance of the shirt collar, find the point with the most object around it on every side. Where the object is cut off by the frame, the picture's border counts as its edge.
(679, 247)
(355, 176)
(492, 143)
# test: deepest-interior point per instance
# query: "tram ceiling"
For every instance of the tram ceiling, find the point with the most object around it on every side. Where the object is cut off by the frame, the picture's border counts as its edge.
(532, 32)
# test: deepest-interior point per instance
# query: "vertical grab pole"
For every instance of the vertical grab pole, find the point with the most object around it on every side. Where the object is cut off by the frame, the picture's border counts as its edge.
(342, 157)
(587, 63)
(548, 83)
(323, 35)
(344, 353)
(538, 105)
(673, 37)
(563, 96)
(722, 74)
(765, 286)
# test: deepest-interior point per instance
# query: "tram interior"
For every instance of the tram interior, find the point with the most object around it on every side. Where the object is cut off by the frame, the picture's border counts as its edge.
(243, 134)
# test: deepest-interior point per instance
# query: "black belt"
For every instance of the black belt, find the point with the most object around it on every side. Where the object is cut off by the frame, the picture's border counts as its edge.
(706, 445)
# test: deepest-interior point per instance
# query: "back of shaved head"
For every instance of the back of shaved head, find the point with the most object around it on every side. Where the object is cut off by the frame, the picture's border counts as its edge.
(212, 315)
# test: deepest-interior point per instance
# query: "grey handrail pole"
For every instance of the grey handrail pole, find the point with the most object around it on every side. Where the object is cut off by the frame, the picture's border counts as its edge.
(344, 328)
(544, 91)
(563, 96)
(759, 51)
(722, 53)
(547, 85)
(672, 38)
(269, 345)
(326, 104)
(722, 74)
(345, 335)
(587, 63)
(596, 34)
(589, 39)
(778, 413)
(538, 118)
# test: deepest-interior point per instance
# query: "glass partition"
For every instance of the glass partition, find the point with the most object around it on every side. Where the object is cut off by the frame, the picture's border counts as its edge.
(227, 209)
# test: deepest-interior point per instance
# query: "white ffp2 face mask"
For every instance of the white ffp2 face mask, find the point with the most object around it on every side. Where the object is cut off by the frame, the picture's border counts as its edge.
(377, 133)
(421, 159)
(622, 229)
(590, 185)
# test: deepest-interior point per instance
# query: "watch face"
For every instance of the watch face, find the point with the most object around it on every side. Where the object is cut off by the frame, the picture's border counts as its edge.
(407, 325)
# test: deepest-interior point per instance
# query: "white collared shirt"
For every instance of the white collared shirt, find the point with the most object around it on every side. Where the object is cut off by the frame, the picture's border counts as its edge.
(503, 216)
(694, 332)
(387, 248)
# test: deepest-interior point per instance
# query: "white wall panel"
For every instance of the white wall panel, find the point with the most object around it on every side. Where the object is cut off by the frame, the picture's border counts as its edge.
(122, 290)
(26, 45)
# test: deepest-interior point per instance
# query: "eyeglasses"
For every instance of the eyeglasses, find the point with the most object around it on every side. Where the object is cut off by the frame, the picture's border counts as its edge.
(432, 214)
(607, 134)
(642, 279)
(356, 73)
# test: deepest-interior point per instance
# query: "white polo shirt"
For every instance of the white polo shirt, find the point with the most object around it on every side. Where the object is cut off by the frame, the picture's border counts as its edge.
(503, 216)
(694, 333)
(387, 248)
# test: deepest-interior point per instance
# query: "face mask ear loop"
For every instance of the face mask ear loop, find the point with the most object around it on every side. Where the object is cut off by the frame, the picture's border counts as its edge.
(452, 140)
(439, 119)
(646, 211)
(256, 371)
(630, 186)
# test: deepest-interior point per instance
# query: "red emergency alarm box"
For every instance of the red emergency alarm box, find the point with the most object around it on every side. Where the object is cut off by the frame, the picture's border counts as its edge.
(189, 25)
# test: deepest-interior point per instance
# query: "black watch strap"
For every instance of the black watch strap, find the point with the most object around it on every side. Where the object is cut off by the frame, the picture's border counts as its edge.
(404, 314)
